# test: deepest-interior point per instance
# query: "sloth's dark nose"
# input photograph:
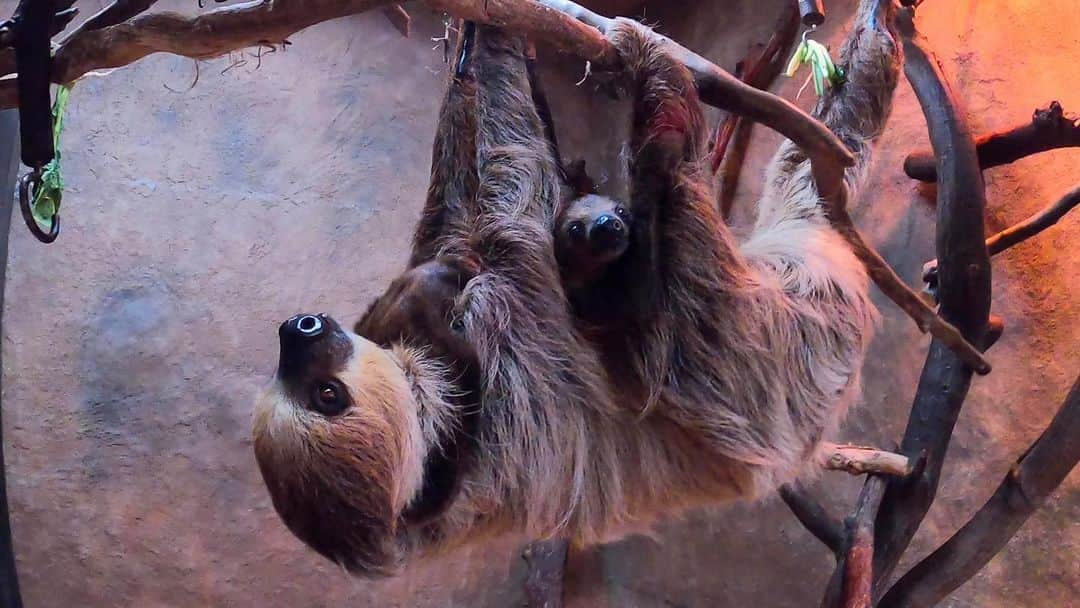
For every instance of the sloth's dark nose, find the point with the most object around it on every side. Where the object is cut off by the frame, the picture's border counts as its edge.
(607, 231)
(311, 342)
(303, 327)
(609, 223)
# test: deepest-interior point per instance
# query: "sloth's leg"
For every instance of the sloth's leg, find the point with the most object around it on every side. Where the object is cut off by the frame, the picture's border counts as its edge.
(856, 111)
(453, 184)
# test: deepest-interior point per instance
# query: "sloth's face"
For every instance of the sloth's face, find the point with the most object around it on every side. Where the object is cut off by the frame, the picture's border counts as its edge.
(332, 439)
(593, 230)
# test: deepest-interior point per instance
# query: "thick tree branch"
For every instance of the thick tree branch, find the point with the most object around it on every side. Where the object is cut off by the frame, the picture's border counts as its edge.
(814, 517)
(1049, 129)
(859, 460)
(1017, 233)
(965, 301)
(1029, 482)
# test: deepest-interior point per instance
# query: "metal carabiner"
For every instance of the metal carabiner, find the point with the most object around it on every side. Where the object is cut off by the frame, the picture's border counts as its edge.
(28, 185)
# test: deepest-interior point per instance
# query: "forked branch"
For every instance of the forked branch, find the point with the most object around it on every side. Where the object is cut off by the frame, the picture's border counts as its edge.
(1029, 482)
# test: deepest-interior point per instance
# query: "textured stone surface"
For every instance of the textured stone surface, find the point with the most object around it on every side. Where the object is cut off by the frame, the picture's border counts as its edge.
(197, 218)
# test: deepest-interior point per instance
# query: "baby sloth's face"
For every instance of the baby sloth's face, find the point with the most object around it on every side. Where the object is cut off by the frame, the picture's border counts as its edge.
(592, 231)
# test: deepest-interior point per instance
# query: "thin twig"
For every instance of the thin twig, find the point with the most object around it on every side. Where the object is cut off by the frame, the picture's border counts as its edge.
(859, 460)
(1017, 233)
(965, 301)
(814, 517)
(1036, 474)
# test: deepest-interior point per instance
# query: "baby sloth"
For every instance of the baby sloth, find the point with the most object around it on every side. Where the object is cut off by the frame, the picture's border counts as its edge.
(591, 233)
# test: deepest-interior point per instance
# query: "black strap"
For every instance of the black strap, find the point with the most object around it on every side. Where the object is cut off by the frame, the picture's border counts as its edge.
(32, 22)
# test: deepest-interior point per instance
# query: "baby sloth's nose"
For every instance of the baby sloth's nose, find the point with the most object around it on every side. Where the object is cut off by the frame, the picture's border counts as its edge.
(609, 223)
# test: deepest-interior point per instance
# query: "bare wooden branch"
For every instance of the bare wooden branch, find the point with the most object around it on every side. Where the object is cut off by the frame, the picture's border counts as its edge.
(1017, 233)
(965, 301)
(1029, 482)
(1049, 129)
(209, 34)
(814, 517)
(859, 562)
(894, 287)
(546, 564)
(859, 460)
(117, 12)
(399, 17)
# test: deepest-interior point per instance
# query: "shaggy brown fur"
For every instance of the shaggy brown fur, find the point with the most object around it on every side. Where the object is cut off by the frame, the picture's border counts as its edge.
(733, 364)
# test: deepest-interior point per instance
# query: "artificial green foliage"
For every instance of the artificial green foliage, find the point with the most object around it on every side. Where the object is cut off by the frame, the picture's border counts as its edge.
(823, 70)
(47, 196)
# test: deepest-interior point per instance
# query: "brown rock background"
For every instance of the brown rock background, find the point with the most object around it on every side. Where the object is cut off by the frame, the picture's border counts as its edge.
(198, 217)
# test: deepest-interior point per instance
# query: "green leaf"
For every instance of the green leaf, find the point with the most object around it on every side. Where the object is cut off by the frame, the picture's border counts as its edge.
(50, 191)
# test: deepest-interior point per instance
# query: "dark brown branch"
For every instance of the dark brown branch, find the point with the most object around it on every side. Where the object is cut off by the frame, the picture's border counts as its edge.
(546, 567)
(965, 301)
(759, 70)
(1049, 129)
(1017, 233)
(1027, 485)
(399, 17)
(814, 517)
(859, 564)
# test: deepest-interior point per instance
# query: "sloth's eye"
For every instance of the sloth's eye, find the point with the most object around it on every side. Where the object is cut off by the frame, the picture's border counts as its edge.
(620, 211)
(329, 398)
(577, 229)
(457, 325)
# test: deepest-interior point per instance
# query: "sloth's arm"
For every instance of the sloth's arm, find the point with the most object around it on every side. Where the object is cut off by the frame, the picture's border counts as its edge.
(453, 182)
(518, 180)
(676, 224)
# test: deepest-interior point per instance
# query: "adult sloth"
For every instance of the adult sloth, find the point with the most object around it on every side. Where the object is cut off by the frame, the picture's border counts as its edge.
(467, 405)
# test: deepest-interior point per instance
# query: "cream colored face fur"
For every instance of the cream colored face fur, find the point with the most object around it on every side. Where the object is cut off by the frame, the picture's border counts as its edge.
(327, 473)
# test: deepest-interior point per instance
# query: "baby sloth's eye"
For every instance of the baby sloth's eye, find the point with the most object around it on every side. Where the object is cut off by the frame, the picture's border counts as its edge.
(329, 398)
(577, 229)
(621, 211)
